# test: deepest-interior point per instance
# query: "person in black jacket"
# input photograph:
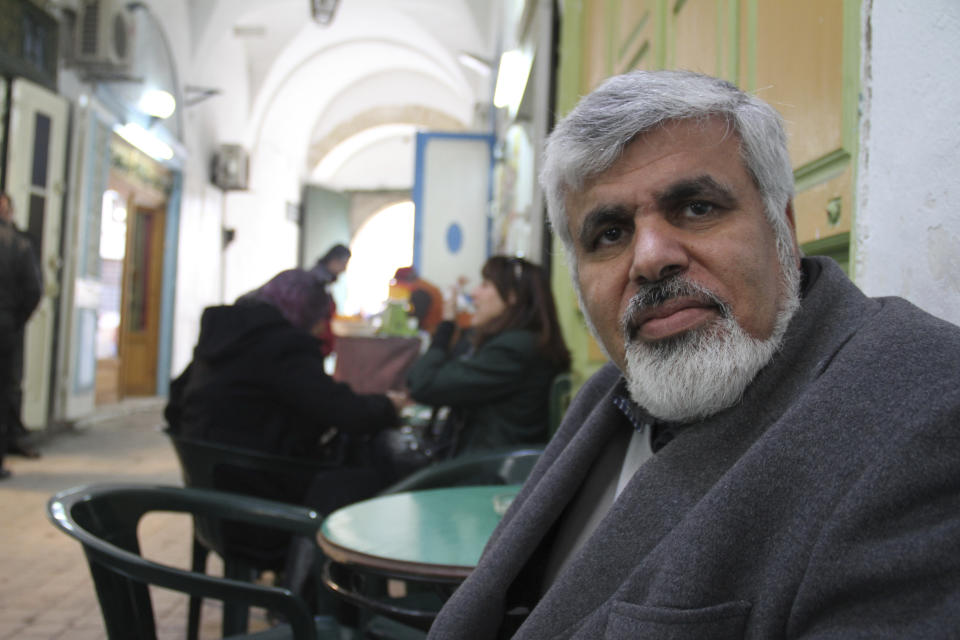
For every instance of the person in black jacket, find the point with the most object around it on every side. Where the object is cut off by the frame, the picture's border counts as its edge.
(499, 390)
(20, 289)
(257, 381)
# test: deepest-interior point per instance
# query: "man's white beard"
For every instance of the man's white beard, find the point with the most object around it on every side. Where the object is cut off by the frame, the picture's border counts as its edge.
(705, 370)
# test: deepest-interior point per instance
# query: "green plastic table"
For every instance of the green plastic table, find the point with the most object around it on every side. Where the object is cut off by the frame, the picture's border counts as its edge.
(435, 533)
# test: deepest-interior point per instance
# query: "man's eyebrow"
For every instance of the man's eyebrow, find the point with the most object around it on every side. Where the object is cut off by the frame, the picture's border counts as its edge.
(598, 218)
(704, 186)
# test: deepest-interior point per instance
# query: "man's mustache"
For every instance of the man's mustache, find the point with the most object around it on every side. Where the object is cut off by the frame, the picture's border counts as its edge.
(655, 294)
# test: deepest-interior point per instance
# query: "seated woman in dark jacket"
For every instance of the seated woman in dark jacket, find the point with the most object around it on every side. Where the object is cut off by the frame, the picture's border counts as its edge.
(499, 391)
(257, 381)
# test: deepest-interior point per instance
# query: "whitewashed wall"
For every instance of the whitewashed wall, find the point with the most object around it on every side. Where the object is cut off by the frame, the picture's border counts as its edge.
(199, 272)
(200, 266)
(907, 227)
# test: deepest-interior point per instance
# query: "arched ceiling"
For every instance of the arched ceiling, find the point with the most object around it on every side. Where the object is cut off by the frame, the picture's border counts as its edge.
(355, 87)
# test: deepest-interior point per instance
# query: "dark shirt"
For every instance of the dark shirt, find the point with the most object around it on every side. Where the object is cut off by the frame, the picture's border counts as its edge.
(21, 283)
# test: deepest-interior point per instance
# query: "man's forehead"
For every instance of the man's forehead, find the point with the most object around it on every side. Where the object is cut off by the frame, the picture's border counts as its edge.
(700, 135)
(689, 137)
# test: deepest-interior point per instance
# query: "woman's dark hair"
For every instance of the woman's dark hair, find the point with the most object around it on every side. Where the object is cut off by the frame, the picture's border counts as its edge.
(336, 252)
(525, 291)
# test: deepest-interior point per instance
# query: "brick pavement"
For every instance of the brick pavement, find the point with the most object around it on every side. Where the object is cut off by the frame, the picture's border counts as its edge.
(45, 586)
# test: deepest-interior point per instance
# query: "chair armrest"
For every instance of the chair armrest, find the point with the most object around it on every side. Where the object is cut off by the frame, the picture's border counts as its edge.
(137, 500)
(103, 518)
(488, 467)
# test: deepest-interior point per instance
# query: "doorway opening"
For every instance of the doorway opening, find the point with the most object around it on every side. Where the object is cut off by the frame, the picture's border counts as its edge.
(383, 244)
(113, 242)
(132, 221)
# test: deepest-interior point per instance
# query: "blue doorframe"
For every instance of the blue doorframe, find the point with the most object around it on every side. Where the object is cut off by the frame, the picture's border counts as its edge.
(423, 139)
(169, 287)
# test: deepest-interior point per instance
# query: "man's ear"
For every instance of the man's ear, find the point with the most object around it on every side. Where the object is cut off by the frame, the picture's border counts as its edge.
(792, 220)
(790, 216)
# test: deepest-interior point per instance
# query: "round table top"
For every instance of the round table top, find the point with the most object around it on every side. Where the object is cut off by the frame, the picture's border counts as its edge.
(431, 533)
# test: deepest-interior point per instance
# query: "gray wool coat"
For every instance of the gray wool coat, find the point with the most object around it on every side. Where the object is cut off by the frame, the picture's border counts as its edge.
(825, 505)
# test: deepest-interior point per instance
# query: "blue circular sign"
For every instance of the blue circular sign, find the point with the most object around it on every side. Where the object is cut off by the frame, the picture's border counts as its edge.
(454, 238)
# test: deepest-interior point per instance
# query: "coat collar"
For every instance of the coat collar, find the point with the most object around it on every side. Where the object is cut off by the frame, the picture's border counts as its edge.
(665, 488)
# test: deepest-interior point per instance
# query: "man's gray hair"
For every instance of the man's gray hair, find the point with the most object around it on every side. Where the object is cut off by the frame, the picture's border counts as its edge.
(592, 137)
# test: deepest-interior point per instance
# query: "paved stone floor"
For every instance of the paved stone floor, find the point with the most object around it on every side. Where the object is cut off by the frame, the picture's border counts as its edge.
(45, 586)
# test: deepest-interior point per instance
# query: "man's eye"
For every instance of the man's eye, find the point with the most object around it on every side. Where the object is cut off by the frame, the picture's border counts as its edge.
(610, 235)
(605, 230)
(698, 209)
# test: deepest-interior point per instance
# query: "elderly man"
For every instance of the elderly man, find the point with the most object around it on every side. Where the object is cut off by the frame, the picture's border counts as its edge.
(770, 453)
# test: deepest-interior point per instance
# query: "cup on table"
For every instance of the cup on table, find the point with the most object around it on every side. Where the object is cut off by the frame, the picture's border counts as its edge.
(502, 502)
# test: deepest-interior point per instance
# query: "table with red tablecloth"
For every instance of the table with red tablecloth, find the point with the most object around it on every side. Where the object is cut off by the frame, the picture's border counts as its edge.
(374, 364)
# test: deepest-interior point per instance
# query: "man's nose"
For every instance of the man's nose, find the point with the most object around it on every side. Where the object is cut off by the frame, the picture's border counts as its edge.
(658, 252)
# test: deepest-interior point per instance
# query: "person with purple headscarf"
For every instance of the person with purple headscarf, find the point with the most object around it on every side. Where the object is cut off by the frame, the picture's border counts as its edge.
(300, 294)
(257, 381)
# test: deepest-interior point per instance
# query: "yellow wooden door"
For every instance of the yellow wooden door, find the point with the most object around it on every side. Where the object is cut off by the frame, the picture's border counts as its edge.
(140, 316)
(803, 57)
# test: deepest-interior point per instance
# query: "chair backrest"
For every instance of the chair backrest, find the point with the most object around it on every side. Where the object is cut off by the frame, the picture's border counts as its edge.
(561, 391)
(199, 460)
(202, 464)
(104, 518)
(502, 466)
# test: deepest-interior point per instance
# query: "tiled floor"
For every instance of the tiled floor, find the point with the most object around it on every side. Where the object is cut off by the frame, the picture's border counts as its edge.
(45, 586)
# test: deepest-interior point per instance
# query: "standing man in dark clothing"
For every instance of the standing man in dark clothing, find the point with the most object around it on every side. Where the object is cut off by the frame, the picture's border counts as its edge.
(20, 288)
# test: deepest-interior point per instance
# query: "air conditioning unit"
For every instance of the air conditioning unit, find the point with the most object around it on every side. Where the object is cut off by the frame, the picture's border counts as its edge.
(230, 166)
(103, 39)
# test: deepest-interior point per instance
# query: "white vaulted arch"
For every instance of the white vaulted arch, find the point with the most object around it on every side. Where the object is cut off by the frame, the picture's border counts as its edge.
(356, 87)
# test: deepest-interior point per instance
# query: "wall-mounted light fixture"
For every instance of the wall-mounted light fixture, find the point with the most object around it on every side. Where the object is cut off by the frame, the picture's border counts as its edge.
(512, 75)
(157, 103)
(153, 99)
(144, 140)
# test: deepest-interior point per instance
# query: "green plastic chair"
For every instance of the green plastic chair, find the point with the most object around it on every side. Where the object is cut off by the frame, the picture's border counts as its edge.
(499, 466)
(200, 463)
(104, 519)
